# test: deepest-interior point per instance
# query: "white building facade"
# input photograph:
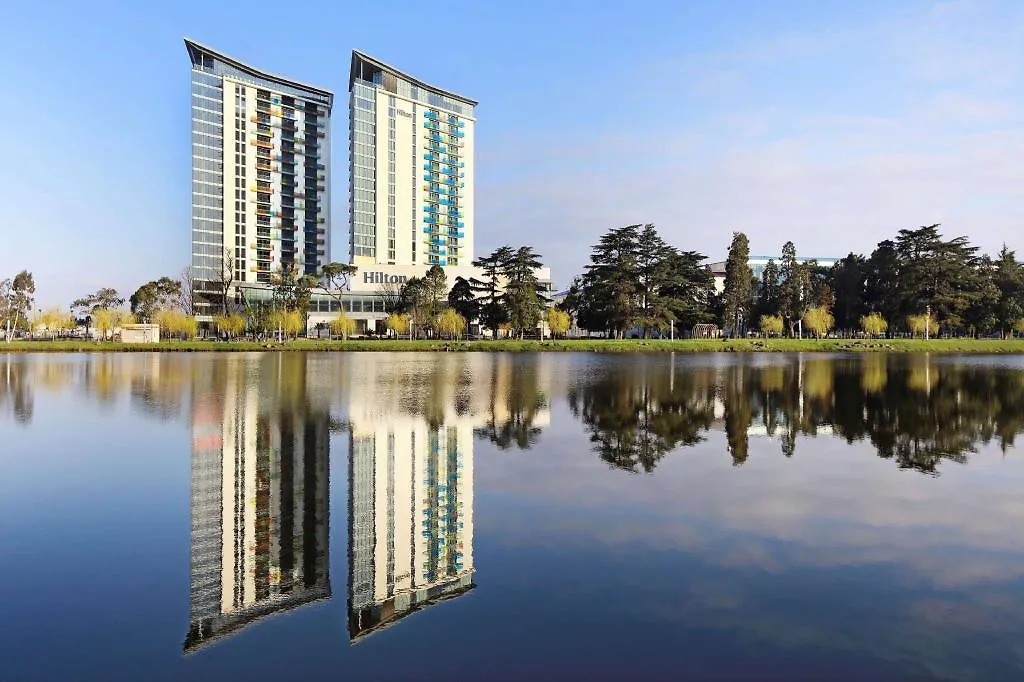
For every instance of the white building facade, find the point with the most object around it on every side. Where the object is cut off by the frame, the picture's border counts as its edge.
(411, 148)
(260, 174)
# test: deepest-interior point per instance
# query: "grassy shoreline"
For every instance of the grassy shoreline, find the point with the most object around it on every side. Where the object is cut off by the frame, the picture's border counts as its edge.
(986, 346)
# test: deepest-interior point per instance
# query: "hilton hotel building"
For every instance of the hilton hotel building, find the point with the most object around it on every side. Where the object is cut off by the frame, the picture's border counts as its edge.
(411, 169)
(261, 173)
(261, 177)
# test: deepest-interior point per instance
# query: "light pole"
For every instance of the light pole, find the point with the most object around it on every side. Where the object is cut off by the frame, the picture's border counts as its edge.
(927, 321)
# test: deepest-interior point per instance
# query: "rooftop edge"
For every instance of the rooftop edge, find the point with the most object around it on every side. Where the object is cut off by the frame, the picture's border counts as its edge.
(196, 47)
(357, 55)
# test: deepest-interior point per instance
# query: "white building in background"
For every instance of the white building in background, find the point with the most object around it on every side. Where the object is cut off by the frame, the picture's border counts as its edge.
(261, 173)
(411, 148)
(757, 265)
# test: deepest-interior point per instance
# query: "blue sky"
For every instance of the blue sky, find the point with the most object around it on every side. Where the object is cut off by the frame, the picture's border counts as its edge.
(832, 124)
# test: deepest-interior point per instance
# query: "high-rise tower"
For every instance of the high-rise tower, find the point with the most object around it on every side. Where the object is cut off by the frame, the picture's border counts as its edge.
(411, 169)
(261, 173)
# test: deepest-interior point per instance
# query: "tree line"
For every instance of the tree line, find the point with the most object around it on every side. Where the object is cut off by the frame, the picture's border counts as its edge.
(507, 298)
(918, 283)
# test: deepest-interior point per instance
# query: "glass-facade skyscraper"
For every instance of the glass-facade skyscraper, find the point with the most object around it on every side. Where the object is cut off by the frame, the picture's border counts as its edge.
(411, 169)
(261, 174)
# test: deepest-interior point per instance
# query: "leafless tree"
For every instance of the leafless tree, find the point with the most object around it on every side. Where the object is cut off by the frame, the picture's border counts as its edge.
(227, 278)
(392, 295)
(187, 301)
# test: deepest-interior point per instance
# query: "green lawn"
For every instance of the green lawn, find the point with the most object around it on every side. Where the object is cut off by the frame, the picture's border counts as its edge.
(588, 345)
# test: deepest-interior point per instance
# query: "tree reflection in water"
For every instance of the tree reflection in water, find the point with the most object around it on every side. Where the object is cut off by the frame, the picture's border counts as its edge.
(16, 393)
(635, 412)
(915, 410)
(514, 403)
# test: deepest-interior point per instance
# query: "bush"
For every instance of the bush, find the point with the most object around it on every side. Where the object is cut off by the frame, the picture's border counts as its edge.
(771, 325)
(558, 322)
(922, 325)
(873, 324)
(174, 323)
(450, 323)
(343, 326)
(398, 323)
(819, 321)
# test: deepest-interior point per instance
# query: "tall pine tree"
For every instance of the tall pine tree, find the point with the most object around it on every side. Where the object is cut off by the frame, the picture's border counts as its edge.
(738, 284)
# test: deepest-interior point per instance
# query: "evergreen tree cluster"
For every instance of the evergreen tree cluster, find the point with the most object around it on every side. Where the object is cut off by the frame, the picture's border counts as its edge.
(637, 281)
(918, 275)
(637, 284)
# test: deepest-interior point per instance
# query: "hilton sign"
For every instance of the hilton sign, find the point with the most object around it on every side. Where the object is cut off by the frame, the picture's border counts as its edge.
(383, 278)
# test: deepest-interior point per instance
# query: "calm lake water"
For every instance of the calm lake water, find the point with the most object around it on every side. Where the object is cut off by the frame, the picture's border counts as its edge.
(500, 517)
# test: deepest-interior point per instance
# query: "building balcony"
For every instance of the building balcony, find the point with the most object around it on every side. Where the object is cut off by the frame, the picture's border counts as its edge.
(260, 144)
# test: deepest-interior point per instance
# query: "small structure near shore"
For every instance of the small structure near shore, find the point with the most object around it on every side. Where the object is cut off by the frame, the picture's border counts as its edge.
(140, 333)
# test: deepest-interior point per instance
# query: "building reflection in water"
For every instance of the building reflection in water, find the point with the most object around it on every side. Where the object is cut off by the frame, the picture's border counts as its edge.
(412, 425)
(410, 519)
(259, 493)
